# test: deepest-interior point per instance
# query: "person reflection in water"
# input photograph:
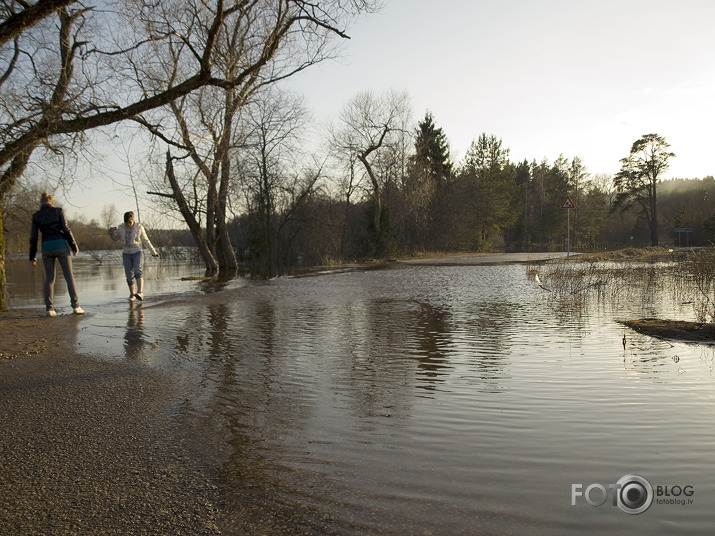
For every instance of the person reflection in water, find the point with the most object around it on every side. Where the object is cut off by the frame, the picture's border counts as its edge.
(57, 241)
(134, 339)
(133, 236)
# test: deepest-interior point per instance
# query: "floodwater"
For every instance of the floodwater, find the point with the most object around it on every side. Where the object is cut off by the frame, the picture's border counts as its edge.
(420, 399)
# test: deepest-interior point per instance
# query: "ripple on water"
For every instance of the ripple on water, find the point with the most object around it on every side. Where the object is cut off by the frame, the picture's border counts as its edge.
(429, 399)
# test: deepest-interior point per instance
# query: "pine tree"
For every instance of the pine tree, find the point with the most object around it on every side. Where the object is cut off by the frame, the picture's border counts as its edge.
(637, 181)
(432, 151)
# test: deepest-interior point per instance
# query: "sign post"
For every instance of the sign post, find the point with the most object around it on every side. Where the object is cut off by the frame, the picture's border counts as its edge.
(687, 231)
(568, 205)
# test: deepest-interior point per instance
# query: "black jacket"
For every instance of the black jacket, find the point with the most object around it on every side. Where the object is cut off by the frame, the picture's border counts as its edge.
(51, 222)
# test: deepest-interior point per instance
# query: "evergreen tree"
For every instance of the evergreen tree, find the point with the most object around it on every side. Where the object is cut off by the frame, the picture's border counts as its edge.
(487, 166)
(520, 205)
(429, 171)
(637, 181)
(432, 151)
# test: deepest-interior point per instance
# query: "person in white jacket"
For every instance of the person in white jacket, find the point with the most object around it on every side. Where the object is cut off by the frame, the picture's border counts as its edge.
(133, 236)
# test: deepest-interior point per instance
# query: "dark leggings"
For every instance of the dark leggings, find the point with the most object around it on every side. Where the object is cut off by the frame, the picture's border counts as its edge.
(48, 258)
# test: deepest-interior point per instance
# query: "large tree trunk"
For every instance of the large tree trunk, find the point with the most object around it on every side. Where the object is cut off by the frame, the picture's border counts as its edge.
(267, 216)
(228, 255)
(3, 282)
(210, 231)
(377, 198)
(194, 227)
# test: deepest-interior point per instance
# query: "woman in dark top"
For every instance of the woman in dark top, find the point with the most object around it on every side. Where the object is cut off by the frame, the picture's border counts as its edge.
(57, 240)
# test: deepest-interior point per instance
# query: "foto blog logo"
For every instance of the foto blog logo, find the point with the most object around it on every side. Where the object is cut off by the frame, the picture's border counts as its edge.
(632, 493)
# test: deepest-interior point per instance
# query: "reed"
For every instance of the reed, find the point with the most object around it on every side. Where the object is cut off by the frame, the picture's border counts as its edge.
(690, 275)
(697, 275)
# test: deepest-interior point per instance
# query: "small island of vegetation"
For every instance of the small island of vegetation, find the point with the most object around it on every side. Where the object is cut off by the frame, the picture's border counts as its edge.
(626, 273)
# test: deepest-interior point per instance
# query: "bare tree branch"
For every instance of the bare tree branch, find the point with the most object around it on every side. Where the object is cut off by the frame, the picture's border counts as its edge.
(16, 23)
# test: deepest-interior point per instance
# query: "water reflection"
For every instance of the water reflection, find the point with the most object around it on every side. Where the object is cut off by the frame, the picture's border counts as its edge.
(100, 285)
(431, 399)
(135, 342)
(432, 345)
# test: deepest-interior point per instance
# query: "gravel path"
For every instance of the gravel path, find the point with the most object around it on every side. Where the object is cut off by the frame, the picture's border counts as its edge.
(89, 446)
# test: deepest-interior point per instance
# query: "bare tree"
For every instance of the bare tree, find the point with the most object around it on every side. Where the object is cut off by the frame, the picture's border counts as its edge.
(73, 68)
(202, 123)
(369, 127)
(18, 16)
(192, 34)
(604, 183)
(205, 123)
(269, 165)
(349, 183)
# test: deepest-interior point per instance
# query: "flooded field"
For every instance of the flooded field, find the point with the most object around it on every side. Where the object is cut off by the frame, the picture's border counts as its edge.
(419, 399)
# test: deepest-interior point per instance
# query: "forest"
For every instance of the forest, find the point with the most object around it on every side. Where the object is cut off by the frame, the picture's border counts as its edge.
(427, 204)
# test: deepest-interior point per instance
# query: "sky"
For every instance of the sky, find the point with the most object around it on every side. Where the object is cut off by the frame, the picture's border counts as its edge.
(548, 77)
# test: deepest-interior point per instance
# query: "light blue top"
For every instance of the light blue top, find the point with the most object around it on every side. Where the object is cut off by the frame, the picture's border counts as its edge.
(133, 238)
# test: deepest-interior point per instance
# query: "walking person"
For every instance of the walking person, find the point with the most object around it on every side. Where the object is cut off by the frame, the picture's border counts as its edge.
(133, 236)
(57, 241)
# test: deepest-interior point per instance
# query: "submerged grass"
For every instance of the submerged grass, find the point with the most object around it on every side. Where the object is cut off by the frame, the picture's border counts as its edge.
(633, 274)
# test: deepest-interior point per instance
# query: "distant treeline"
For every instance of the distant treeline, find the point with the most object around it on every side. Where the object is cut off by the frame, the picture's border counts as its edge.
(417, 200)
(325, 230)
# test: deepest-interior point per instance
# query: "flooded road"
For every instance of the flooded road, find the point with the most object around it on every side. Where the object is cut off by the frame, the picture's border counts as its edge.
(419, 399)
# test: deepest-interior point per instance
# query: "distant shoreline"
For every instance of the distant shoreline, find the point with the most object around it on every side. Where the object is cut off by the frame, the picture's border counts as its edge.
(484, 258)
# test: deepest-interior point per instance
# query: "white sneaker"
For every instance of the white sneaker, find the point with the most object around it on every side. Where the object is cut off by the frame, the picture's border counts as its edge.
(139, 296)
(78, 310)
(50, 312)
(131, 297)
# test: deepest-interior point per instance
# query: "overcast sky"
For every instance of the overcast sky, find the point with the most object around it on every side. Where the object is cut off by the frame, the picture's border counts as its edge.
(548, 77)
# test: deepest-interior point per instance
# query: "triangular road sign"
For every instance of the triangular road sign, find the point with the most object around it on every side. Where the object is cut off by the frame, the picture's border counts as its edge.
(568, 203)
